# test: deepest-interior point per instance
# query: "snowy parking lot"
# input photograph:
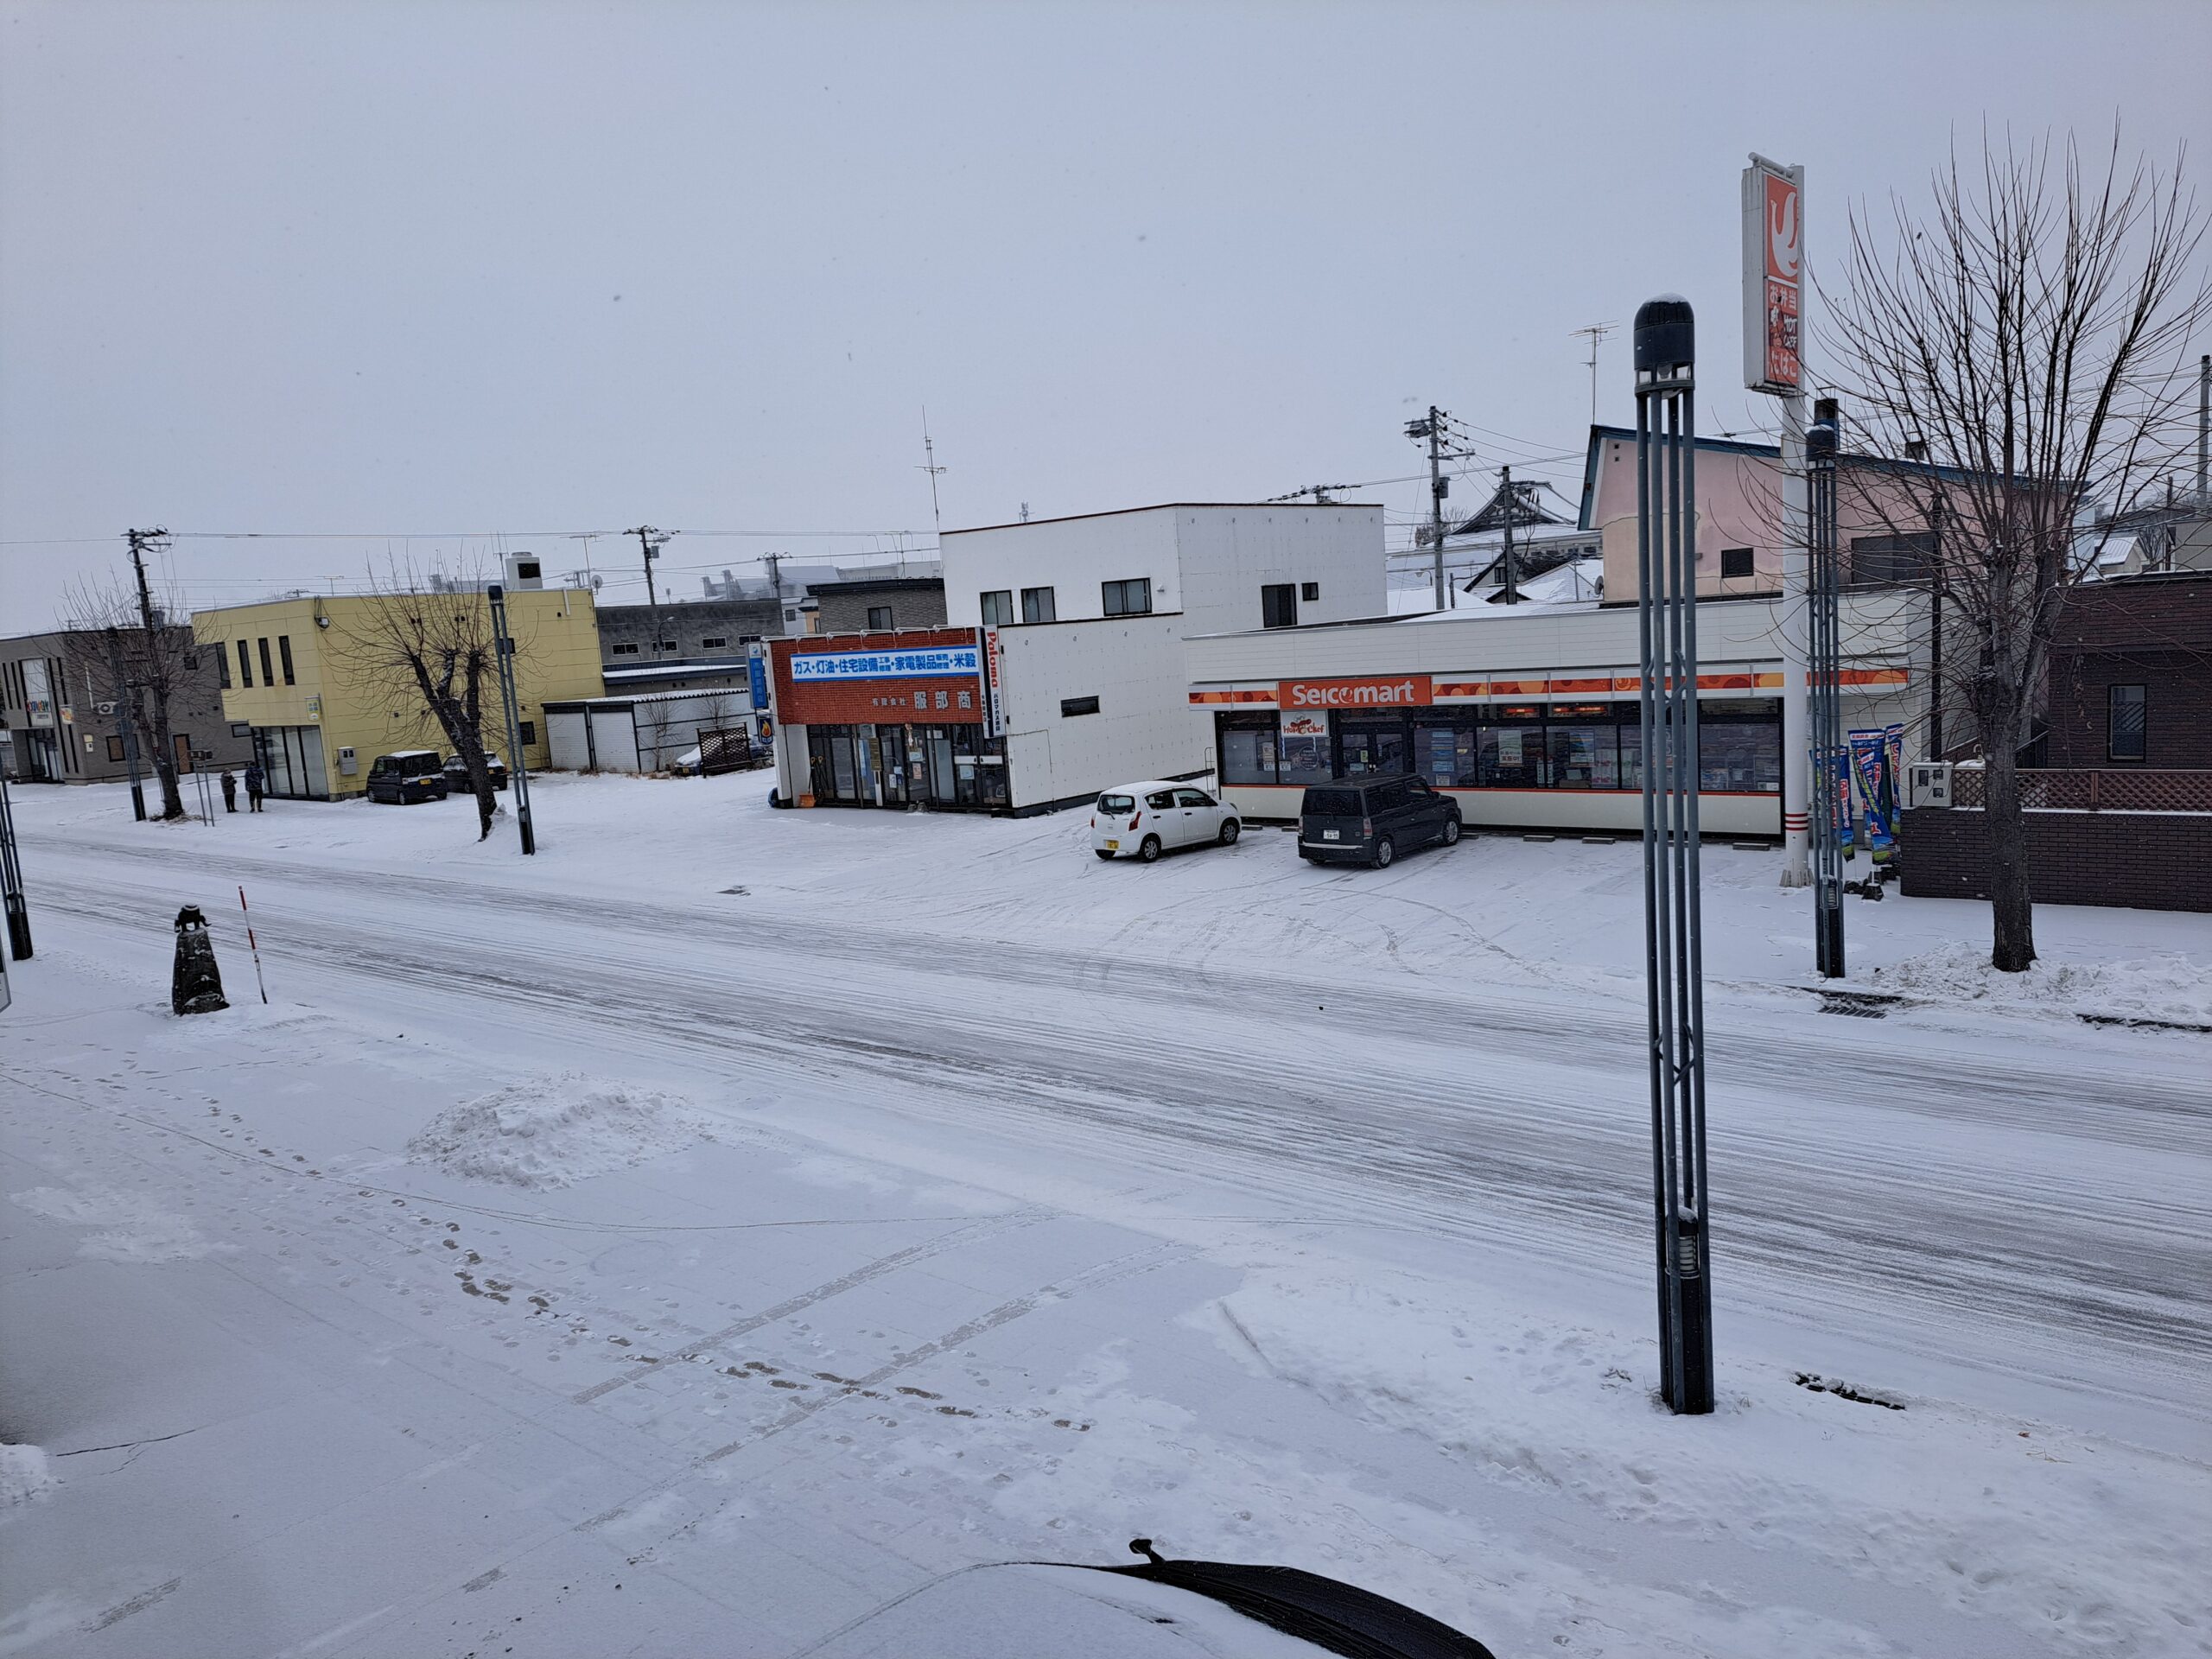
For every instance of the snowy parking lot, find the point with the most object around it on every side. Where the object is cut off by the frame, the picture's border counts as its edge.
(697, 1237)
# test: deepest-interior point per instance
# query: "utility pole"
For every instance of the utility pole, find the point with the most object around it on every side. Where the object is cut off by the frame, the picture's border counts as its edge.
(649, 543)
(157, 678)
(1439, 486)
(2204, 433)
(518, 773)
(1666, 549)
(11, 880)
(1512, 584)
(125, 721)
(929, 465)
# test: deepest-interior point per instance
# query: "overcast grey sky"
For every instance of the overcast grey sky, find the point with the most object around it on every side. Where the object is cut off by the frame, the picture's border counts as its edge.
(409, 267)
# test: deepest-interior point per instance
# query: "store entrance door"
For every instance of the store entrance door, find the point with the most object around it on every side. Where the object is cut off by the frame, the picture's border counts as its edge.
(891, 763)
(945, 786)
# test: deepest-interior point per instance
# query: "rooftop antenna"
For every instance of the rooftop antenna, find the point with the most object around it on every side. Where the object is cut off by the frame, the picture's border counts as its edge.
(1593, 334)
(929, 465)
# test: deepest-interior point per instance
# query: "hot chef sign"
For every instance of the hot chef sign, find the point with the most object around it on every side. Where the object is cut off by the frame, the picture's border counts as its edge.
(1407, 692)
(915, 663)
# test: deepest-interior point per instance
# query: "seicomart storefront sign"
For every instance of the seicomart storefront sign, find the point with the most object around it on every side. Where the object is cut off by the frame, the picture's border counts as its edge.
(940, 662)
(1406, 691)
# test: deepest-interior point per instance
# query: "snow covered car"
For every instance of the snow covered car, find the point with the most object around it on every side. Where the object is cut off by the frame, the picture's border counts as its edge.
(406, 775)
(457, 773)
(1145, 820)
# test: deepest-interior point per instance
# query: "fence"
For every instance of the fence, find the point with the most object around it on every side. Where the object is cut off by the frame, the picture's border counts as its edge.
(730, 750)
(2096, 789)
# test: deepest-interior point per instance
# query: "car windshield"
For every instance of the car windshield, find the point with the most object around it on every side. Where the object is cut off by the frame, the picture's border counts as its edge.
(1116, 802)
(1333, 802)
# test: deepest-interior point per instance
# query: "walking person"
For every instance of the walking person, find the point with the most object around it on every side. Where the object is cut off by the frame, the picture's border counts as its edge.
(230, 791)
(255, 778)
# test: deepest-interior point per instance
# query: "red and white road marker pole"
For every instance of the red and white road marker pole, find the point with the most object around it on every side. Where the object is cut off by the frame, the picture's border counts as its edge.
(253, 945)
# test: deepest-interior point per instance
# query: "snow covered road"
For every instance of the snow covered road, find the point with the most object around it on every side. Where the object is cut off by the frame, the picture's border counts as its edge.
(1280, 1214)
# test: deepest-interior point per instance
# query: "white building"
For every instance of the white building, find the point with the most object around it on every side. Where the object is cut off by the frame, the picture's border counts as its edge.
(1063, 668)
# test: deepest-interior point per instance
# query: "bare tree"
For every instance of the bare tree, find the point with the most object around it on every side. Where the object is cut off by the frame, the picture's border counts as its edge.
(2024, 338)
(109, 650)
(424, 643)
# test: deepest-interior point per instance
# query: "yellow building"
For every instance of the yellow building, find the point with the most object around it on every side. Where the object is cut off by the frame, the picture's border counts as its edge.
(325, 693)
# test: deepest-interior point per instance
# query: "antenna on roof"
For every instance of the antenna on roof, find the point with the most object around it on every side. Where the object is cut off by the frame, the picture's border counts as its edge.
(1593, 334)
(929, 465)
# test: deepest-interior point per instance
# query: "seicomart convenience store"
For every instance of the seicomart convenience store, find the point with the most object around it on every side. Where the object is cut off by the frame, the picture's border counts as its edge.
(1528, 717)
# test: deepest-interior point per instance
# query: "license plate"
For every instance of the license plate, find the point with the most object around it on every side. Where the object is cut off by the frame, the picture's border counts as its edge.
(1113, 846)
(1332, 835)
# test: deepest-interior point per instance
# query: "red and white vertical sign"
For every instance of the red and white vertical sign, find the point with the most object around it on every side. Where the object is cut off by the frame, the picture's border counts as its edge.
(1774, 267)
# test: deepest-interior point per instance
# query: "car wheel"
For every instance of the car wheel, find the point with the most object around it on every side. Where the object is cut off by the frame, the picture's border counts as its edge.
(1150, 851)
(1230, 831)
(1452, 831)
(1385, 850)
(1104, 854)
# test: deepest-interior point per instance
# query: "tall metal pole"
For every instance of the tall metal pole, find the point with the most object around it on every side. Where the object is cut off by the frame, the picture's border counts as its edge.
(126, 727)
(1826, 702)
(11, 880)
(1666, 427)
(1796, 760)
(518, 773)
(2204, 433)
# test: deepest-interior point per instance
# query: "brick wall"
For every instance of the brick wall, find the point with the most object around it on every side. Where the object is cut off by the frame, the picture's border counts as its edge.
(2146, 860)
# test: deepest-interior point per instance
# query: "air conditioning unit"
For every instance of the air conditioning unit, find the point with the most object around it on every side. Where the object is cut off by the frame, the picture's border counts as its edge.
(526, 573)
(1928, 783)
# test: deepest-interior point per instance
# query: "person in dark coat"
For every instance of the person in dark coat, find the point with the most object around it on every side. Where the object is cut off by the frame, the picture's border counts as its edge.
(255, 778)
(230, 791)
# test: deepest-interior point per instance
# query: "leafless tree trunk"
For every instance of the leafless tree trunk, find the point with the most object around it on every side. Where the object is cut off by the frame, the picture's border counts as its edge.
(105, 626)
(2023, 339)
(432, 653)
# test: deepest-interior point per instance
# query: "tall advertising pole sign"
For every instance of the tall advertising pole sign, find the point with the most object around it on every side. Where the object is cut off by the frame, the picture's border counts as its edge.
(1774, 286)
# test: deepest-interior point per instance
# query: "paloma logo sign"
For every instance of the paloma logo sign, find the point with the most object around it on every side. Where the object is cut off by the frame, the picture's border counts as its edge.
(1408, 691)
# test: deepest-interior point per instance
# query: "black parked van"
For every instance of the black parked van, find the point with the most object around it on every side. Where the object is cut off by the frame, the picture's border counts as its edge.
(1371, 818)
(408, 775)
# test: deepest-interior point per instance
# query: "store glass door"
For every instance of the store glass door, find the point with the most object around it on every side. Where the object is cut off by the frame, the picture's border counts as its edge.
(891, 763)
(944, 786)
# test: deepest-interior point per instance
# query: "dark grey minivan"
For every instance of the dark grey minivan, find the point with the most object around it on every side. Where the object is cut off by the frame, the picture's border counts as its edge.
(1371, 818)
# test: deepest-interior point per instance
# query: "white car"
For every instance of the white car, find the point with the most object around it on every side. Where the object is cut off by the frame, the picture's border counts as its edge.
(1145, 820)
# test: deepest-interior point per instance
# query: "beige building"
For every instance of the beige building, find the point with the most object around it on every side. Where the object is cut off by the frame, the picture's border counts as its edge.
(306, 675)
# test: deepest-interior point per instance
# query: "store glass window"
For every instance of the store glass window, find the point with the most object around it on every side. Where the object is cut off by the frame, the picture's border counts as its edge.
(1511, 755)
(1302, 750)
(1581, 745)
(1740, 747)
(1445, 754)
(1369, 744)
(1246, 744)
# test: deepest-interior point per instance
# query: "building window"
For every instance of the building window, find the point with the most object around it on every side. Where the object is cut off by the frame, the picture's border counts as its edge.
(223, 668)
(1891, 561)
(268, 674)
(665, 646)
(2128, 729)
(529, 732)
(114, 747)
(1070, 707)
(998, 608)
(879, 618)
(1279, 604)
(284, 656)
(1735, 561)
(245, 665)
(1037, 605)
(1246, 744)
(628, 650)
(714, 642)
(1309, 590)
(1130, 598)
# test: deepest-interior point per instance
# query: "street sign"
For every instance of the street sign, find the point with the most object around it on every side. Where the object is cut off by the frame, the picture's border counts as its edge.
(1774, 261)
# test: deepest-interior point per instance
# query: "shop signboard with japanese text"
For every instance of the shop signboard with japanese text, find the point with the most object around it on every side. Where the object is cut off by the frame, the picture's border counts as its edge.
(933, 676)
(1774, 265)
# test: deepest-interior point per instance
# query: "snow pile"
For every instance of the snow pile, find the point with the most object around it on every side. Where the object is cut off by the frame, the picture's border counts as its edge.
(23, 1475)
(2157, 987)
(555, 1131)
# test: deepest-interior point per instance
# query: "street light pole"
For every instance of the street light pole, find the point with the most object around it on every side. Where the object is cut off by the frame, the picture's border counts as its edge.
(1665, 487)
(518, 773)
(1825, 699)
